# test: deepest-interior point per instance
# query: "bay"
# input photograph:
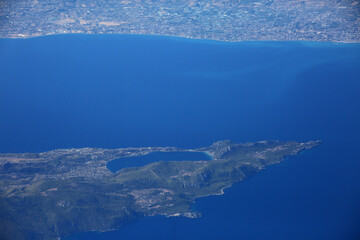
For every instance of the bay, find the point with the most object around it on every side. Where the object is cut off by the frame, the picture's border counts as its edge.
(114, 91)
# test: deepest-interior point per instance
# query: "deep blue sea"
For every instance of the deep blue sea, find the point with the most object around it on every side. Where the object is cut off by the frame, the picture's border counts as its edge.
(114, 91)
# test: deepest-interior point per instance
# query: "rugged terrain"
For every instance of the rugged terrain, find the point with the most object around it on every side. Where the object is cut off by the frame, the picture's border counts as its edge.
(58, 193)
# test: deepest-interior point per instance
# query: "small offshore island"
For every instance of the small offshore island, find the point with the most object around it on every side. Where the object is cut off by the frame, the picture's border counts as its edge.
(67, 191)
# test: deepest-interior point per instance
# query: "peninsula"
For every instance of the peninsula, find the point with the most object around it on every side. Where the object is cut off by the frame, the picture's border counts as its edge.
(55, 194)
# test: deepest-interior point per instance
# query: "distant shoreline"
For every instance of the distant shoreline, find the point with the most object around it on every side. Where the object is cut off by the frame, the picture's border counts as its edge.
(207, 40)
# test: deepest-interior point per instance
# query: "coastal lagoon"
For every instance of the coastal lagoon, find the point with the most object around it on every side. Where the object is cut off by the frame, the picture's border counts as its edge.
(139, 161)
(111, 91)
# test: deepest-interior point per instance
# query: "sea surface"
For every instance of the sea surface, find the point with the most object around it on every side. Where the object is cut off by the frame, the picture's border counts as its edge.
(139, 161)
(113, 91)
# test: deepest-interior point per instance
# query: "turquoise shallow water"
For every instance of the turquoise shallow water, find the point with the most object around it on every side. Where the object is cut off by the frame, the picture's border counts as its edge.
(118, 91)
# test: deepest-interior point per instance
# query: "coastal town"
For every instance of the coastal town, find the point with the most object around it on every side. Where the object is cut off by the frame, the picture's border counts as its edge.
(244, 20)
(73, 185)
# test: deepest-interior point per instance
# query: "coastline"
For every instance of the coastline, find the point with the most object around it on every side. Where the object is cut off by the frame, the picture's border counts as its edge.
(180, 38)
(210, 155)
